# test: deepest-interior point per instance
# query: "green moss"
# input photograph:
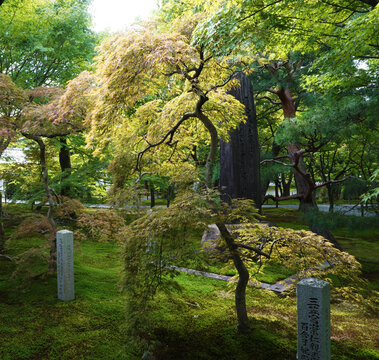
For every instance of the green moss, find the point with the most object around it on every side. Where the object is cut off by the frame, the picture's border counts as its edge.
(197, 322)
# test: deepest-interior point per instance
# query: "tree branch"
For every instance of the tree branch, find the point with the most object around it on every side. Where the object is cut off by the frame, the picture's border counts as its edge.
(5, 257)
(169, 134)
(277, 162)
(281, 198)
(253, 248)
(333, 182)
(269, 99)
(258, 11)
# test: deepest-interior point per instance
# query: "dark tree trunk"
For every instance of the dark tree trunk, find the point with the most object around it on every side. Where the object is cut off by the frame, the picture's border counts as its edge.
(243, 325)
(287, 184)
(276, 191)
(65, 163)
(330, 191)
(152, 195)
(169, 194)
(240, 157)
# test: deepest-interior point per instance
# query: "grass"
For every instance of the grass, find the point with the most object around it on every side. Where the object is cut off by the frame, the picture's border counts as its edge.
(197, 322)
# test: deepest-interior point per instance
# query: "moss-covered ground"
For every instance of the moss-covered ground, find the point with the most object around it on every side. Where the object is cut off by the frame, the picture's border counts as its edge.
(197, 322)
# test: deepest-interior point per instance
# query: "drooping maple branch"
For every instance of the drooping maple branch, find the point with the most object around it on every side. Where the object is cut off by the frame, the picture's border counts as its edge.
(169, 134)
(253, 248)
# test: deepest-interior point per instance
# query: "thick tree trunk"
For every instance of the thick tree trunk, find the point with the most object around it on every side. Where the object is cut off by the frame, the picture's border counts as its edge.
(65, 163)
(304, 184)
(243, 325)
(240, 157)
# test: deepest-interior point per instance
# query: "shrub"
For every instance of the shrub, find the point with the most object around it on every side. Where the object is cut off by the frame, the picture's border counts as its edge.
(102, 226)
(32, 224)
(69, 209)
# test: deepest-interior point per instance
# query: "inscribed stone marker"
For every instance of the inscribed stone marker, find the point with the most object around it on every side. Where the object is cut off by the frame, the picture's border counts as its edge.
(65, 265)
(313, 319)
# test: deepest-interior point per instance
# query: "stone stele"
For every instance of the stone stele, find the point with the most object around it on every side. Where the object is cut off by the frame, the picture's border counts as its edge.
(313, 319)
(65, 265)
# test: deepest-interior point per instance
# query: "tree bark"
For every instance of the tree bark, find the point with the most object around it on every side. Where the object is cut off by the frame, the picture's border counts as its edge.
(330, 191)
(65, 163)
(287, 184)
(152, 195)
(243, 325)
(240, 157)
(53, 246)
(210, 163)
(305, 186)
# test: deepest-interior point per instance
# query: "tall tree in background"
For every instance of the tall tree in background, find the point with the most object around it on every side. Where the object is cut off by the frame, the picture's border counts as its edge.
(240, 156)
(45, 42)
(345, 38)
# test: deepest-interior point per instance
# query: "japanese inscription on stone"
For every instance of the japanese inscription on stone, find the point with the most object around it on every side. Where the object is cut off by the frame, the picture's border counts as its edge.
(65, 265)
(313, 320)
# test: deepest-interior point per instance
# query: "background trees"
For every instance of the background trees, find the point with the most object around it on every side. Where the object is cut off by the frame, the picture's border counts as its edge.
(45, 42)
(309, 66)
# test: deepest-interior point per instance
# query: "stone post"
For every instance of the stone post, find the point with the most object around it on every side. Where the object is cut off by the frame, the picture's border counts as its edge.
(65, 265)
(313, 320)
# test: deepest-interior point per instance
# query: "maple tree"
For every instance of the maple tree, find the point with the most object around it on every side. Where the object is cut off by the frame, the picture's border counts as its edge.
(12, 100)
(178, 95)
(42, 119)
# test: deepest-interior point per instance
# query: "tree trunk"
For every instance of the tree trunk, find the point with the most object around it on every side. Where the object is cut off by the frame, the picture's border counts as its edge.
(287, 184)
(240, 157)
(169, 194)
(210, 163)
(65, 163)
(329, 188)
(53, 246)
(304, 184)
(276, 191)
(275, 150)
(152, 195)
(243, 325)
